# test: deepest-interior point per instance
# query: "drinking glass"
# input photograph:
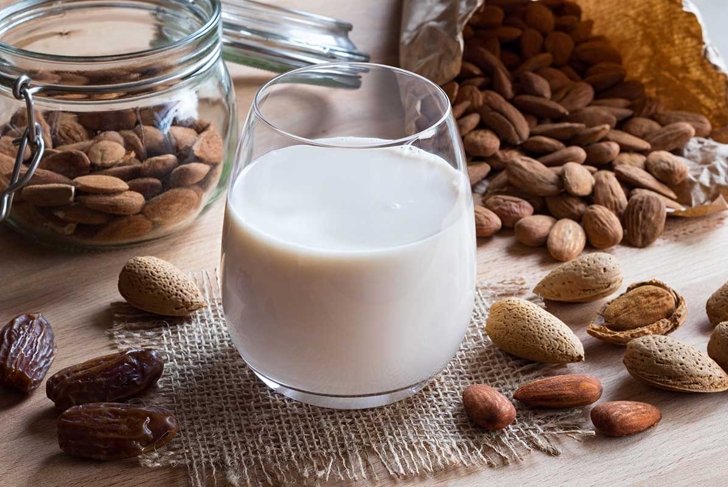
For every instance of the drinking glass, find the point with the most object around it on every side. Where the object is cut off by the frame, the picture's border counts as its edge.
(348, 252)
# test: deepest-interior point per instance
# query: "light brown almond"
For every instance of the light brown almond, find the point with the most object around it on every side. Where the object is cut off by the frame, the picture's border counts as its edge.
(540, 107)
(560, 157)
(601, 153)
(158, 166)
(630, 159)
(528, 331)
(480, 142)
(566, 206)
(671, 137)
(209, 147)
(156, 286)
(590, 135)
(717, 305)
(487, 223)
(188, 174)
(575, 96)
(533, 84)
(642, 179)
(641, 127)
(172, 207)
(183, 138)
(640, 306)
(586, 278)
(609, 193)
(105, 153)
(542, 145)
(477, 171)
(628, 142)
(125, 229)
(560, 131)
(509, 209)
(125, 203)
(566, 240)
(699, 122)
(68, 163)
(592, 116)
(155, 142)
(577, 179)
(97, 183)
(671, 205)
(148, 187)
(80, 214)
(666, 363)
(560, 45)
(666, 167)
(624, 418)
(718, 345)
(602, 227)
(644, 220)
(533, 230)
(560, 391)
(533, 177)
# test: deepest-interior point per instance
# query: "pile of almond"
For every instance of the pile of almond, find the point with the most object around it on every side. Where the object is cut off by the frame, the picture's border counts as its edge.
(113, 177)
(641, 319)
(573, 152)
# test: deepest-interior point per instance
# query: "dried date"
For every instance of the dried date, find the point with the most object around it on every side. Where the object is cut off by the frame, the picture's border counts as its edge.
(27, 349)
(113, 377)
(112, 431)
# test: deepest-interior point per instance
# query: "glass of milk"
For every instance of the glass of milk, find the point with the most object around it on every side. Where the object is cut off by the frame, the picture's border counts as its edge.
(348, 252)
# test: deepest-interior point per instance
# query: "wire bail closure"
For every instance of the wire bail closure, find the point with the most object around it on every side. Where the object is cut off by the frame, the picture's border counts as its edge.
(32, 137)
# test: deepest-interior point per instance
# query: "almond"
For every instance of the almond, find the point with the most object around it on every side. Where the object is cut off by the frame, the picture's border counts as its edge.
(575, 96)
(468, 123)
(542, 145)
(669, 204)
(487, 223)
(502, 84)
(531, 43)
(577, 180)
(533, 84)
(604, 80)
(566, 240)
(539, 17)
(641, 127)
(68, 131)
(538, 106)
(560, 45)
(609, 193)
(590, 135)
(592, 116)
(555, 78)
(602, 227)
(587, 278)
(699, 122)
(188, 174)
(159, 166)
(630, 159)
(156, 143)
(488, 408)
(601, 153)
(133, 142)
(482, 143)
(562, 156)
(718, 345)
(624, 418)
(717, 305)
(124, 229)
(477, 172)
(666, 167)
(71, 163)
(457, 110)
(43, 176)
(451, 90)
(533, 230)
(509, 208)
(640, 306)
(642, 179)
(619, 113)
(105, 153)
(666, 363)
(470, 94)
(183, 138)
(497, 110)
(560, 131)
(533, 177)
(81, 214)
(125, 203)
(126, 173)
(97, 183)
(628, 142)
(566, 206)
(147, 187)
(526, 330)
(560, 391)
(156, 286)
(594, 52)
(52, 194)
(671, 137)
(172, 207)
(534, 63)
(644, 220)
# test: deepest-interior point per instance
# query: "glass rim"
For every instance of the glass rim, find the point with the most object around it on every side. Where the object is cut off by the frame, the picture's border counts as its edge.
(369, 145)
(13, 9)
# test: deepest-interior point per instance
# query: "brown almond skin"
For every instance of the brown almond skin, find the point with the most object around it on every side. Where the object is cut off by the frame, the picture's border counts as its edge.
(110, 378)
(509, 209)
(533, 231)
(641, 306)
(603, 228)
(561, 391)
(717, 305)
(609, 193)
(624, 418)
(487, 223)
(718, 345)
(533, 177)
(566, 241)
(488, 408)
(644, 220)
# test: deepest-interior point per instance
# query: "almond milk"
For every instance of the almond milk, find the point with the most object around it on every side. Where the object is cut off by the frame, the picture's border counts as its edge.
(348, 271)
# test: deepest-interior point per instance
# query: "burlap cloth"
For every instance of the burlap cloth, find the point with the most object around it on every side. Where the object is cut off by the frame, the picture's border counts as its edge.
(234, 430)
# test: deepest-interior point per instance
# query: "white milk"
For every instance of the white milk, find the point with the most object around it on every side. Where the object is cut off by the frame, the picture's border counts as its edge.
(348, 271)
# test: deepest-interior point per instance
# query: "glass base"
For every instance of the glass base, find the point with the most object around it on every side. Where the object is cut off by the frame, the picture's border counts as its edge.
(343, 402)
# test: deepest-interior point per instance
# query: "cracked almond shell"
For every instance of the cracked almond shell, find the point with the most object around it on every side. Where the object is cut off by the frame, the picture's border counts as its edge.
(586, 278)
(528, 331)
(666, 363)
(620, 335)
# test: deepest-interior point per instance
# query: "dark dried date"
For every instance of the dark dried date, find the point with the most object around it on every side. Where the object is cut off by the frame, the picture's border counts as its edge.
(112, 431)
(113, 377)
(27, 349)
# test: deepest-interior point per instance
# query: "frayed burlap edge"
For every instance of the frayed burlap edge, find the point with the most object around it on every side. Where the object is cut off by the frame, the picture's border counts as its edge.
(235, 431)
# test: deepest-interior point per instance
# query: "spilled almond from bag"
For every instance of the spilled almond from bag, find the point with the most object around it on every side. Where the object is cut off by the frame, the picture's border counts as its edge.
(156, 286)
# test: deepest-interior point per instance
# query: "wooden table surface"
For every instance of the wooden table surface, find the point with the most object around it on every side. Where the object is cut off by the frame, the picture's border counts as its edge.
(74, 292)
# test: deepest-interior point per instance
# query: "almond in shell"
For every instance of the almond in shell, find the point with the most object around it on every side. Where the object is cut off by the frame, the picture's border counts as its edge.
(156, 286)
(666, 363)
(528, 331)
(587, 278)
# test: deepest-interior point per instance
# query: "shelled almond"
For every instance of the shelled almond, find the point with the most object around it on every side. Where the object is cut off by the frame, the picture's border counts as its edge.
(107, 179)
(548, 107)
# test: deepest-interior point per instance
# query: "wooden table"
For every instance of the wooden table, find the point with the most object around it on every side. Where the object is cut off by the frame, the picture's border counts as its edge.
(74, 292)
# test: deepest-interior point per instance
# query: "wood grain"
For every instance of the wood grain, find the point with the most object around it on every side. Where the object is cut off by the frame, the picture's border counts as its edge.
(74, 291)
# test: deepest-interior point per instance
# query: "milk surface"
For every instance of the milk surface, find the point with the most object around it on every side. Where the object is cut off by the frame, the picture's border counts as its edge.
(348, 271)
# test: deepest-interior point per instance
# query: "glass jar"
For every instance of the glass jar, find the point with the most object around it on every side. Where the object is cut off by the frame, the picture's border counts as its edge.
(135, 112)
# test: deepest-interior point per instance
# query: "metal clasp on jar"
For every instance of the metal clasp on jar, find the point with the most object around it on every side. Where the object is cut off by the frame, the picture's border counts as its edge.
(32, 137)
